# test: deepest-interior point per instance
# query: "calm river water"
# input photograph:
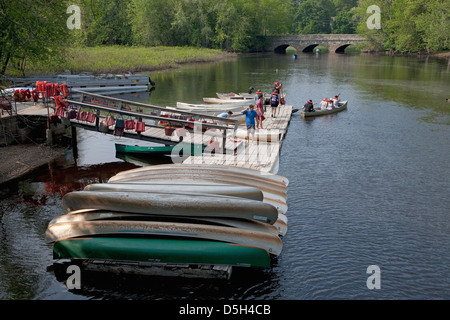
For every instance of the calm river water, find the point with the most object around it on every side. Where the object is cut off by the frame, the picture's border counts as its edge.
(368, 186)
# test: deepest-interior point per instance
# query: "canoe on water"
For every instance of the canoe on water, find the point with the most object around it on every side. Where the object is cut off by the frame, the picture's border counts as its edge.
(175, 230)
(190, 205)
(157, 150)
(320, 112)
(172, 251)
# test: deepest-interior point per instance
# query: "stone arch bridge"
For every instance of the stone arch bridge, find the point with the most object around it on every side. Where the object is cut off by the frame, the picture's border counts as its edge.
(336, 43)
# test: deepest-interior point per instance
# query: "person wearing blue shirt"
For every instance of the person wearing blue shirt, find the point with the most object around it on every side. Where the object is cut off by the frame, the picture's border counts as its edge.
(250, 115)
(225, 114)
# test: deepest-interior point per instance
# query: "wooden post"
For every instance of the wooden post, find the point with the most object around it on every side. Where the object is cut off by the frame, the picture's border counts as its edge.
(74, 142)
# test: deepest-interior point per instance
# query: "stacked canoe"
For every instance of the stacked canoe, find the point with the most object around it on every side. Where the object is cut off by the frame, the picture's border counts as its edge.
(176, 214)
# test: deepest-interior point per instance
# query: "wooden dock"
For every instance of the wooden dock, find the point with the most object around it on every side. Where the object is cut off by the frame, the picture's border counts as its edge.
(261, 154)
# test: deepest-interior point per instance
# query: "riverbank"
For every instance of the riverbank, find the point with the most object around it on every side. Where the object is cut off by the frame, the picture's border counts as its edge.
(21, 159)
(121, 59)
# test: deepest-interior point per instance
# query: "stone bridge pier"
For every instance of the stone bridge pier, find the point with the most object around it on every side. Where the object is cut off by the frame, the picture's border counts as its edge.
(336, 43)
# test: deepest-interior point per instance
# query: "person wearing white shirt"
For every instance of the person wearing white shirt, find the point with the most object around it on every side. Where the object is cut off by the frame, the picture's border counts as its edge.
(323, 104)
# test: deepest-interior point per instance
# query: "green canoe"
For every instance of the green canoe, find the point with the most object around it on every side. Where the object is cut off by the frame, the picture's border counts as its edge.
(161, 250)
(122, 148)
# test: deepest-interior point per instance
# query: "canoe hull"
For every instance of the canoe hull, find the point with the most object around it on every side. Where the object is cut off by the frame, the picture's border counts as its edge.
(173, 230)
(162, 251)
(320, 112)
(172, 205)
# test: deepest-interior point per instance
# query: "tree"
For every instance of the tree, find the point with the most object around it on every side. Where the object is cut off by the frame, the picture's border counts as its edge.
(314, 16)
(344, 23)
(31, 30)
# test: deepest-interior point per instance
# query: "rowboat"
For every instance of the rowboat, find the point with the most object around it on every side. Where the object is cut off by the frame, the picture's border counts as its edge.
(188, 204)
(172, 251)
(222, 189)
(174, 230)
(158, 150)
(222, 107)
(320, 112)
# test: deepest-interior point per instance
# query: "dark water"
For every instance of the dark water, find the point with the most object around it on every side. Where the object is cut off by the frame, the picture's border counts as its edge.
(368, 186)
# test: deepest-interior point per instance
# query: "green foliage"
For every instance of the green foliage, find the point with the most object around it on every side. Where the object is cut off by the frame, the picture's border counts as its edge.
(408, 25)
(314, 16)
(31, 31)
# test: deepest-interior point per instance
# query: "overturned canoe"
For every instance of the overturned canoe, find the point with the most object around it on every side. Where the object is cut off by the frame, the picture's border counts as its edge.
(224, 189)
(172, 204)
(97, 215)
(173, 251)
(232, 170)
(269, 242)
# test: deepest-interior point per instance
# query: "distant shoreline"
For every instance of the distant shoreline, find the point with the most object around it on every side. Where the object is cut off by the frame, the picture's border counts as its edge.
(121, 59)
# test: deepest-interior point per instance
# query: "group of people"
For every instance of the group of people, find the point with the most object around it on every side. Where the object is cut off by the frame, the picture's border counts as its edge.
(325, 104)
(254, 117)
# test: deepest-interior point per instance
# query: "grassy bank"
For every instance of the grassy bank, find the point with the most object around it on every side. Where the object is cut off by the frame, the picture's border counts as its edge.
(120, 59)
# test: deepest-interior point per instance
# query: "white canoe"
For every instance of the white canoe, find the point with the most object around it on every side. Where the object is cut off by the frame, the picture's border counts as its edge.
(271, 192)
(238, 171)
(271, 243)
(224, 189)
(80, 216)
(190, 205)
(244, 102)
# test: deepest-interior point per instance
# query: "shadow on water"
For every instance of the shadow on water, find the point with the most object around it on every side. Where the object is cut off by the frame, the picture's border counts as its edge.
(244, 283)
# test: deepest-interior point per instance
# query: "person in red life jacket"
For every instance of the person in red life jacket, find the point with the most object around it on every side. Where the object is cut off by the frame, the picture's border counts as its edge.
(309, 106)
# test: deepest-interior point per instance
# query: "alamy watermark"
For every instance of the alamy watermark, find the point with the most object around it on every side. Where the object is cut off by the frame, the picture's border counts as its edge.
(374, 280)
(374, 21)
(74, 20)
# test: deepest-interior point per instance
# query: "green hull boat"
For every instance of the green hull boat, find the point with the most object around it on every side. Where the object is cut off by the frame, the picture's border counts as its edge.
(159, 150)
(175, 251)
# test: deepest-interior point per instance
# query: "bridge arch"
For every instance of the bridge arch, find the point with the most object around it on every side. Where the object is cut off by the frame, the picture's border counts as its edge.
(336, 43)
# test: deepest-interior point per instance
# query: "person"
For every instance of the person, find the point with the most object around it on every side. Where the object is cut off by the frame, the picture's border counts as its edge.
(330, 104)
(309, 106)
(260, 111)
(336, 101)
(250, 115)
(274, 102)
(225, 114)
(277, 86)
(258, 93)
(323, 104)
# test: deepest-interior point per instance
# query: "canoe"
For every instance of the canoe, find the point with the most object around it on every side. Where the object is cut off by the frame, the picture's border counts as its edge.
(59, 231)
(223, 107)
(319, 112)
(235, 96)
(224, 189)
(171, 251)
(271, 191)
(222, 101)
(97, 215)
(157, 150)
(191, 205)
(187, 186)
(277, 194)
(238, 171)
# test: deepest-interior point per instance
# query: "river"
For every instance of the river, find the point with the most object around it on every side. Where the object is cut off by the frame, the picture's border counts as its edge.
(368, 186)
